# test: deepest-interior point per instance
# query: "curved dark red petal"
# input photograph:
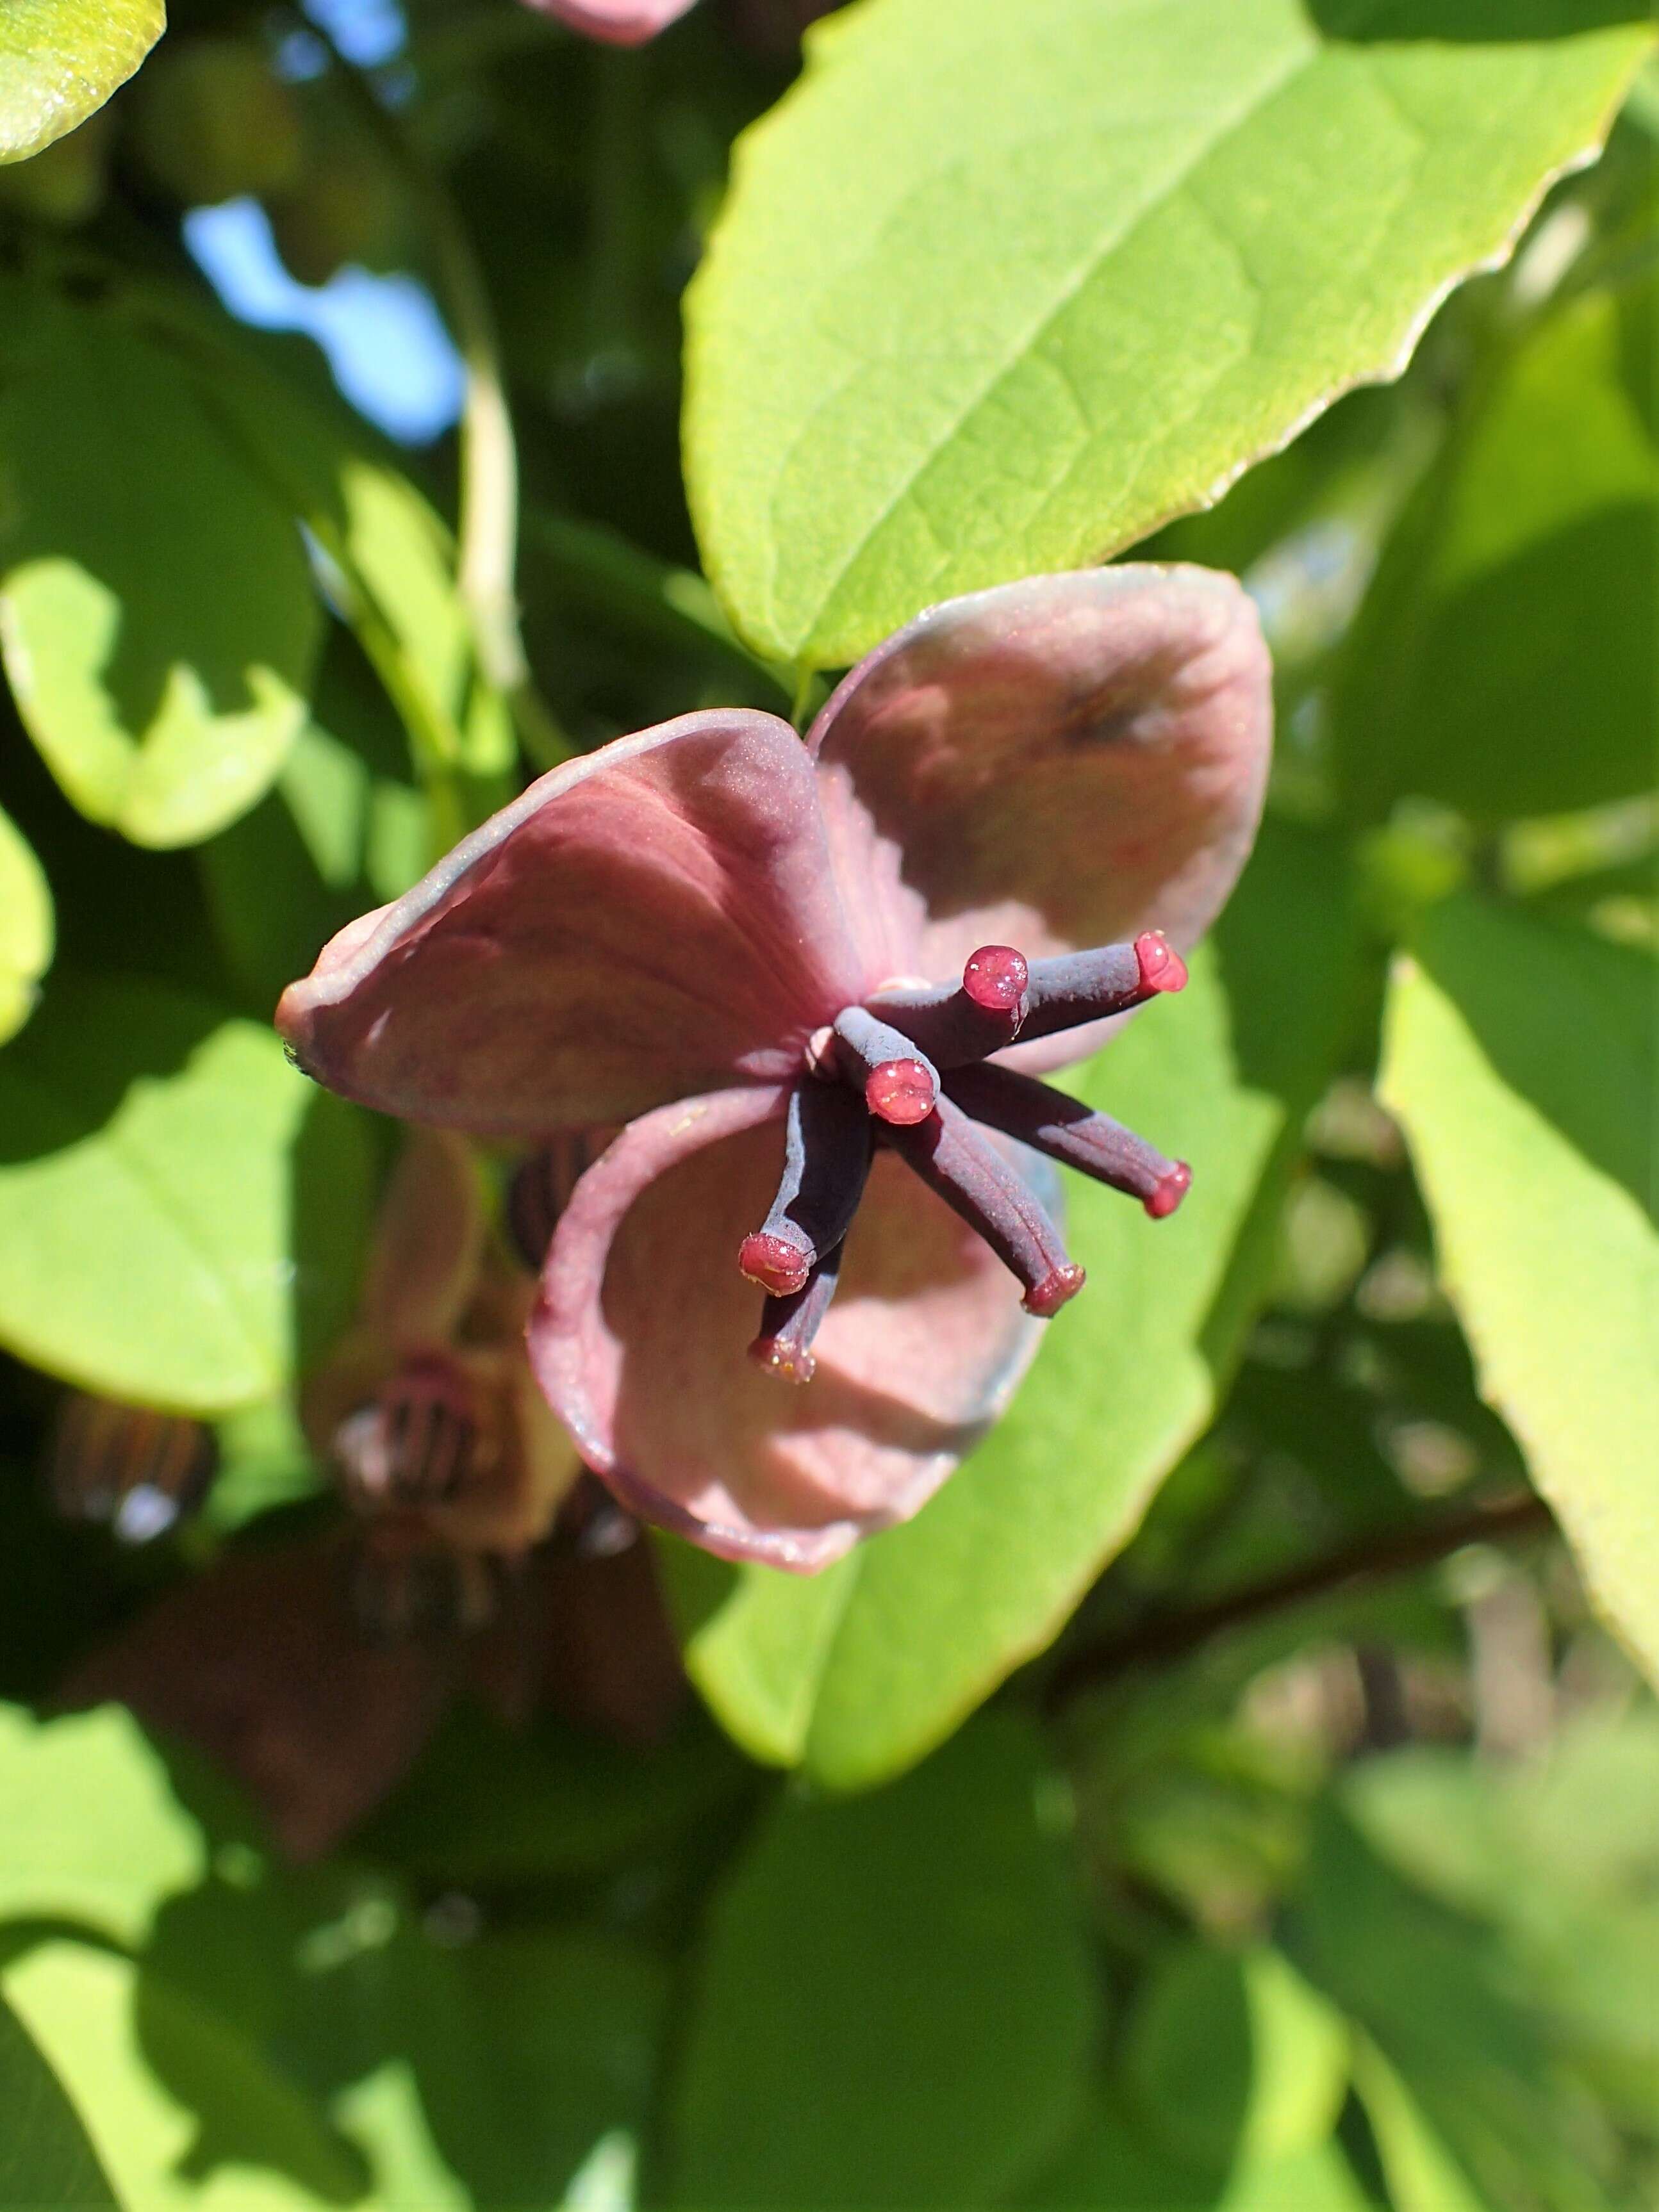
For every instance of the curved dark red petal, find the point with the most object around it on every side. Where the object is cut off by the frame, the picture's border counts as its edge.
(656, 920)
(1054, 764)
(640, 1343)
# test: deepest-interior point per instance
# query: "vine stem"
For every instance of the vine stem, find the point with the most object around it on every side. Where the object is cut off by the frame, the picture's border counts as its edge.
(487, 521)
(1374, 1558)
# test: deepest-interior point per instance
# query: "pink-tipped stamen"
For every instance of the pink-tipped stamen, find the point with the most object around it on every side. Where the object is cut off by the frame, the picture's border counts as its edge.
(995, 978)
(1162, 967)
(827, 1149)
(775, 1263)
(783, 1349)
(1169, 1191)
(1070, 1132)
(1046, 1298)
(901, 1092)
(980, 1183)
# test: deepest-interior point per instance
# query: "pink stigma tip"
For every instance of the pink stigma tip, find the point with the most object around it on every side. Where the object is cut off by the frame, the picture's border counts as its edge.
(996, 977)
(1046, 1298)
(1169, 1190)
(787, 1363)
(1162, 967)
(900, 1091)
(774, 1263)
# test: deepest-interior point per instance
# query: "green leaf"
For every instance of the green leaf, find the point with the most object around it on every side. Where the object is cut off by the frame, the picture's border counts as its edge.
(859, 1671)
(105, 1842)
(1000, 289)
(1421, 2173)
(896, 2004)
(1232, 2058)
(530, 2049)
(184, 2113)
(45, 2156)
(1430, 1988)
(25, 928)
(1502, 661)
(157, 618)
(1561, 1857)
(1519, 1057)
(180, 1212)
(343, 830)
(60, 59)
(1111, 2170)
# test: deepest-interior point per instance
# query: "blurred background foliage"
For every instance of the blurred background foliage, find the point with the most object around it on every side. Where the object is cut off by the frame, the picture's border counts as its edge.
(1238, 1791)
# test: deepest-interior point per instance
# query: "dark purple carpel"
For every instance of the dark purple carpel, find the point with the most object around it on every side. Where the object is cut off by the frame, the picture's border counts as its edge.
(787, 1325)
(735, 946)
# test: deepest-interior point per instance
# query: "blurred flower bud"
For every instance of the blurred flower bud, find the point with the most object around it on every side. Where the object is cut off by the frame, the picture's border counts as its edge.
(139, 1470)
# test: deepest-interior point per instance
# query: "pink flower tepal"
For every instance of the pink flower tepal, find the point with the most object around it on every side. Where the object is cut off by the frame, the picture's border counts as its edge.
(816, 983)
(619, 23)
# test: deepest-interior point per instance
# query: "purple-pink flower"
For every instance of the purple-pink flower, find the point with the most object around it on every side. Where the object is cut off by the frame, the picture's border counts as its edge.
(816, 983)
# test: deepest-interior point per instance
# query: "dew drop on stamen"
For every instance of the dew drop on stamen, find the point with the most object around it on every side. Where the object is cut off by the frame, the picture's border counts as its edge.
(901, 1091)
(996, 977)
(774, 1263)
(1162, 967)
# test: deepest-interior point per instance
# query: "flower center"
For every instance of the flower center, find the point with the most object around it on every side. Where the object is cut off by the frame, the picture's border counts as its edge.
(911, 1069)
(416, 1443)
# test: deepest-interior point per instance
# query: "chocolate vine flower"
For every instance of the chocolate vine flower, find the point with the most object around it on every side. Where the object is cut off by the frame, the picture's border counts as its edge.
(427, 1410)
(859, 954)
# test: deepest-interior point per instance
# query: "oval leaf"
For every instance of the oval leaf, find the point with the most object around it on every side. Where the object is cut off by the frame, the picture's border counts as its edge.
(1503, 661)
(1001, 288)
(178, 1205)
(187, 2115)
(157, 619)
(45, 2156)
(25, 928)
(904, 1977)
(106, 1841)
(60, 59)
(1519, 1058)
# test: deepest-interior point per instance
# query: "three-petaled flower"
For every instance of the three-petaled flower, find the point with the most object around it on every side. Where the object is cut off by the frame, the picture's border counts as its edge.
(858, 952)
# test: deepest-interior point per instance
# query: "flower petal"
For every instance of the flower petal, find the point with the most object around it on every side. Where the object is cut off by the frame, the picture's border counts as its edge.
(428, 1244)
(656, 920)
(1053, 765)
(641, 1337)
(257, 1663)
(619, 23)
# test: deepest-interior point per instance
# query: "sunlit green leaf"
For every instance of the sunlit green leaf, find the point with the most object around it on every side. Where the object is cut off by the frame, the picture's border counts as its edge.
(25, 928)
(157, 617)
(895, 2004)
(182, 2112)
(1503, 661)
(1520, 1058)
(1421, 2173)
(861, 1669)
(60, 59)
(105, 1840)
(999, 289)
(180, 1210)
(45, 2156)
